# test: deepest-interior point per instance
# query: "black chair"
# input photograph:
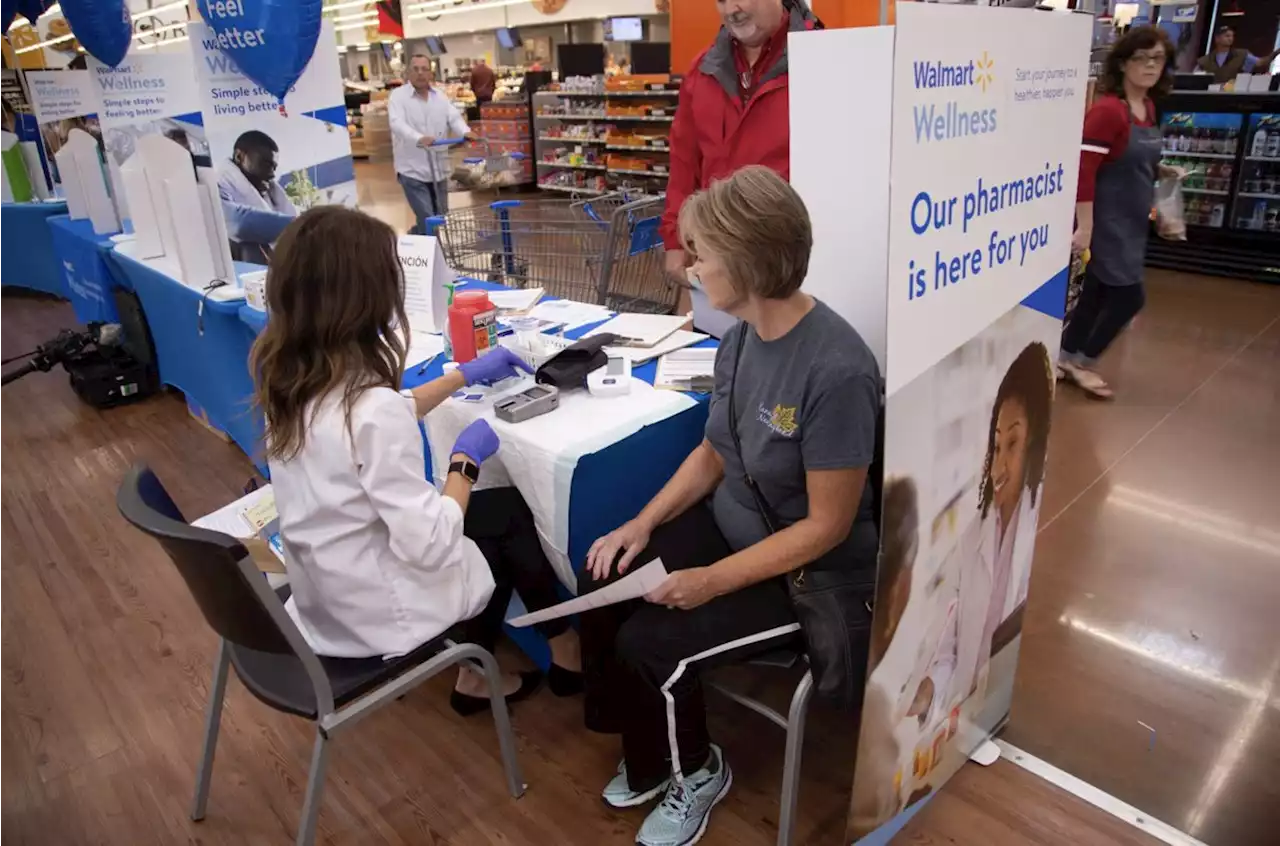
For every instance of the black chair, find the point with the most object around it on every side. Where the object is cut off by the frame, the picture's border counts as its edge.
(270, 655)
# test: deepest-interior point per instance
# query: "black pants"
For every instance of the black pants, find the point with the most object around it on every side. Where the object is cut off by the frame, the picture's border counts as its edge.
(642, 661)
(501, 524)
(1100, 315)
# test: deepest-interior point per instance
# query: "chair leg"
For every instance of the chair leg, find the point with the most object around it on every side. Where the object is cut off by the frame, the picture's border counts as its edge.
(502, 723)
(212, 722)
(315, 786)
(791, 761)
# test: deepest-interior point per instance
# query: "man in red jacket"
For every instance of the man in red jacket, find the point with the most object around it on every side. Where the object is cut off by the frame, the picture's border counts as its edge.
(733, 108)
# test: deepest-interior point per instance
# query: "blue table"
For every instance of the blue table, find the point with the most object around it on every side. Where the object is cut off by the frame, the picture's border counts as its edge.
(82, 256)
(204, 356)
(27, 258)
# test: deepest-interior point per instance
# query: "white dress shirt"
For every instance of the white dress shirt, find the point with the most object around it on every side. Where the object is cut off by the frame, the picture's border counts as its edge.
(375, 554)
(413, 116)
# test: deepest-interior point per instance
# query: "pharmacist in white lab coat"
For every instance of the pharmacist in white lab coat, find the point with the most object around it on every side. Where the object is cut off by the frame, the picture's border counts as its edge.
(988, 570)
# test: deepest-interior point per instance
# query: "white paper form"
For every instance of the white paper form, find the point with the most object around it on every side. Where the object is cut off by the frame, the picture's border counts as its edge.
(229, 519)
(682, 369)
(571, 313)
(633, 585)
(515, 299)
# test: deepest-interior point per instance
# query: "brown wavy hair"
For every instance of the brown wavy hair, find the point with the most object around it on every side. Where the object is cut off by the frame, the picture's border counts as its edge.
(1138, 38)
(335, 296)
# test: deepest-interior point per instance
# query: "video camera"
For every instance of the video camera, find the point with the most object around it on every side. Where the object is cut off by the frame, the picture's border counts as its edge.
(102, 372)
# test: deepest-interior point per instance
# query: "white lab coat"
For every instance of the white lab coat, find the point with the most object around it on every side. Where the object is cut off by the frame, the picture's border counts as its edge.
(376, 558)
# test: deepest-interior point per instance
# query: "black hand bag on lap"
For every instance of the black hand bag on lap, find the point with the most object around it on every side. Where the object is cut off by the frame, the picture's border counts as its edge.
(831, 596)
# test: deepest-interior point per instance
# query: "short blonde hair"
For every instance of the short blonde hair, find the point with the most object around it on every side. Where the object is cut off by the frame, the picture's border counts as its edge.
(758, 225)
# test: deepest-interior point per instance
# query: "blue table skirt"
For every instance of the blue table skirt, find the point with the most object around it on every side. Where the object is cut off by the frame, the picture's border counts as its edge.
(27, 257)
(82, 256)
(207, 358)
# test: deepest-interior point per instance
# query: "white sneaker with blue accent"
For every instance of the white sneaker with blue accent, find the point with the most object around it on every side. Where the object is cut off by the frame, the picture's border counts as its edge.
(618, 793)
(681, 818)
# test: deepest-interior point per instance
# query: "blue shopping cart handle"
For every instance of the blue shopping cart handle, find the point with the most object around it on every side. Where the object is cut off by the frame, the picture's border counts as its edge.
(517, 156)
(448, 142)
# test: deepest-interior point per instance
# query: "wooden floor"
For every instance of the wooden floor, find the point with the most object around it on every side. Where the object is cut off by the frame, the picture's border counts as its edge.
(106, 665)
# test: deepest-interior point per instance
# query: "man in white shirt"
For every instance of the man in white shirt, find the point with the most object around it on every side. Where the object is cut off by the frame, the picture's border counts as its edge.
(419, 116)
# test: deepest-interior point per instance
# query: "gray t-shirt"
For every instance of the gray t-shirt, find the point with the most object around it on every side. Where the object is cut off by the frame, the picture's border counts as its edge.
(805, 401)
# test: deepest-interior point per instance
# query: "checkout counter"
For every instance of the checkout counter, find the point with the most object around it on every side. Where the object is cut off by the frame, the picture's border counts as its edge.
(1230, 145)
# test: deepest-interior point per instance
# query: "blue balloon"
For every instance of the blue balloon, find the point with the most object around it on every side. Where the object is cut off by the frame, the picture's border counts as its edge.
(103, 27)
(32, 9)
(271, 41)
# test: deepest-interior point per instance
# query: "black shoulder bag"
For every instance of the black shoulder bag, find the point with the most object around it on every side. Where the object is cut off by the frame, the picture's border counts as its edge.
(831, 596)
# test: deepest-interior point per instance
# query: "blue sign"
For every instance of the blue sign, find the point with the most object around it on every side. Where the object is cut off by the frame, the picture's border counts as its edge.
(271, 41)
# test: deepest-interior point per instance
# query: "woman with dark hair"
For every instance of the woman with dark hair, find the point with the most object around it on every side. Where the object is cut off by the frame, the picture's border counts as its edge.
(1119, 162)
(991, 565)
(379, 561)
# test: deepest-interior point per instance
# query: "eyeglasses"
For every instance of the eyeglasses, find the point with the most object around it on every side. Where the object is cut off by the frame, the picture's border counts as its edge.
(1147, 58)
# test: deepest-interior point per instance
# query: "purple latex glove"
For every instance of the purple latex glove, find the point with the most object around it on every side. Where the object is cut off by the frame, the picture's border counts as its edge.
(494, 366)
(478, 441)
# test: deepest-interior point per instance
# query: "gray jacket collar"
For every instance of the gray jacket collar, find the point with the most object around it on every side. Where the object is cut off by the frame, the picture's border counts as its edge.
(718, 60)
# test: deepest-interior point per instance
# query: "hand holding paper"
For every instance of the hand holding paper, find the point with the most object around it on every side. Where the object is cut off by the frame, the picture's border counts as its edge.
(632, 586)
(685, 589)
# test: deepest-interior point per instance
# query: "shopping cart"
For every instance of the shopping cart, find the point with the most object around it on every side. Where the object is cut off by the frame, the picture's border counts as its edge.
(603, 250)
(490, 171)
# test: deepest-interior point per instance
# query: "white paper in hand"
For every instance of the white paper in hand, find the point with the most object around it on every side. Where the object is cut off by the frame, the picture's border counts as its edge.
(633, 585)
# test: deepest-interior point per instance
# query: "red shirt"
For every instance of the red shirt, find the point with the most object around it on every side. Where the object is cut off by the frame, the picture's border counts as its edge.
(1106, 136)
(718, 129)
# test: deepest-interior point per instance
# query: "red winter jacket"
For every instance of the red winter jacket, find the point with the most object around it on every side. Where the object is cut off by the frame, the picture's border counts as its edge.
(715, 133)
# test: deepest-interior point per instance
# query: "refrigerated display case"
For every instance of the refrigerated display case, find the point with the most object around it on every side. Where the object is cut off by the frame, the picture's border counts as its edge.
(1232, 191)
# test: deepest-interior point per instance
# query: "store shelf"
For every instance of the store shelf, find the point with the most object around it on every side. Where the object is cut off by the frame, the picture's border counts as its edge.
(662, 119)
(1255, 196)
(647, 149)
(1188, 155)
(572, 117)
(1186, 190)
(572, 93)
(1275, 159)
(567, 140)
(637, 172)
(573, 166)
(568, 189)
(663, 92)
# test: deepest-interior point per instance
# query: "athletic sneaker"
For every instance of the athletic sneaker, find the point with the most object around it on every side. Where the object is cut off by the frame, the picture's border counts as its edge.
(618, 794)
(681, 819)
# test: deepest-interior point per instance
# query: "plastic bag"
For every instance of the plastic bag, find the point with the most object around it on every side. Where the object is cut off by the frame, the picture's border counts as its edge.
(1171, 222)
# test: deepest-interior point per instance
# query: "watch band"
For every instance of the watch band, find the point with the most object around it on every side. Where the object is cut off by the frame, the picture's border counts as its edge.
(468, 470)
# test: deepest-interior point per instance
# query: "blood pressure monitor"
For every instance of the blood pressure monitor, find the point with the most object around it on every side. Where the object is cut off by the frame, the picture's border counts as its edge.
(612, 380)
(529, 403)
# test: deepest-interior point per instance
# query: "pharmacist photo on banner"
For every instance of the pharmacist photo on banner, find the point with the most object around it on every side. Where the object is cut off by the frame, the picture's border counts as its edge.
(929, 686)
(256, 207)
(733, 107)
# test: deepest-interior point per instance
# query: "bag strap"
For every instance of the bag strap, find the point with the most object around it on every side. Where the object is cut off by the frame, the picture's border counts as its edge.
(767, 513)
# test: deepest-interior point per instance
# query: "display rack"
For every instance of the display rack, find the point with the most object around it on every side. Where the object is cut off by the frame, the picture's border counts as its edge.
(605, 136)
(1232, 192)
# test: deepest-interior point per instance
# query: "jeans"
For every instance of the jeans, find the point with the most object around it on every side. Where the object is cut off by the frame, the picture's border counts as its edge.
(642, 661)
(1101, 313)
(427, 199)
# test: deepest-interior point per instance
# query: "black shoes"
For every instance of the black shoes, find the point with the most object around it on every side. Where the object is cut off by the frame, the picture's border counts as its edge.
(564, 682)
(467, 706)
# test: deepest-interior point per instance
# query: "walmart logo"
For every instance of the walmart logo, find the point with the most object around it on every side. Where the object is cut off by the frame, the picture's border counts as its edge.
(980, 73)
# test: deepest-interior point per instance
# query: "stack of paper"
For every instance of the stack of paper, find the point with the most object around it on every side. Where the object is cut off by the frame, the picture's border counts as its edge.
(676, 340)
(687, 370)
(571, 313)
(515, 299)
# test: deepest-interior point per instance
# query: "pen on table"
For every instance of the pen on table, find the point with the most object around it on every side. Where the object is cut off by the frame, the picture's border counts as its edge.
(427, 363)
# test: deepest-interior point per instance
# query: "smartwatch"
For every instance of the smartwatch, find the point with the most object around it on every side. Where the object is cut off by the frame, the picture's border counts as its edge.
(468, 470)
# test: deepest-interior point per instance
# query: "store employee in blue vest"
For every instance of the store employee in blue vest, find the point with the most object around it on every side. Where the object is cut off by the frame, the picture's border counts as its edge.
(420, 115)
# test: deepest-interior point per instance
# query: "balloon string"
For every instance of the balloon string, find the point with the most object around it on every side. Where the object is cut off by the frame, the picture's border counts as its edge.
(283, 113)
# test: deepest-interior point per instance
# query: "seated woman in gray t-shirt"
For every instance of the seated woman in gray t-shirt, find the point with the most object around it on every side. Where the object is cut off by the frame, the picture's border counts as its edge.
(806, 393)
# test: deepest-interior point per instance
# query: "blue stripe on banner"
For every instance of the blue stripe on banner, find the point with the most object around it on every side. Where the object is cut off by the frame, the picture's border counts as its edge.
(1051, 297)
(332, 172)
(336, 115)
(193, 118)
